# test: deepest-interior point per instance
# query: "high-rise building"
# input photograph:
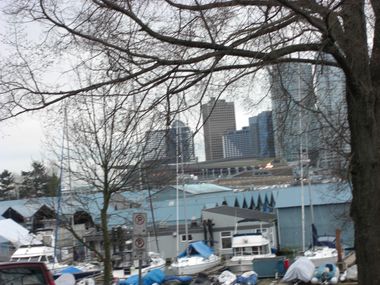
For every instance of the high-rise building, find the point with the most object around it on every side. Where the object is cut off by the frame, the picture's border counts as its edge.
(295, 127)
(265, 134)
(155, 147)
(253, 141)
(254, 131)
(237, 143)
(218, 118)
(330, 89)
(169, 145)
(180, 141)
(261, 132)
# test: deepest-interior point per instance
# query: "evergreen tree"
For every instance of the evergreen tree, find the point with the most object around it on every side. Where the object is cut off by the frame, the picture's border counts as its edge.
(37, 183)
(7, 185)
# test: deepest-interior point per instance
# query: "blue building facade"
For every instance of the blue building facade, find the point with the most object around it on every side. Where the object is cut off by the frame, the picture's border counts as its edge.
(265, 134)
(237, 143)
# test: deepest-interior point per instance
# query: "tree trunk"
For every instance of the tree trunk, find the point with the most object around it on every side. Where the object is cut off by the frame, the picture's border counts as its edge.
(107, 270)
(363, 91)
(365, 209)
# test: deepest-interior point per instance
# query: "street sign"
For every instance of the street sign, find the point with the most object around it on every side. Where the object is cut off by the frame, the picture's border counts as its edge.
(139, 246)
(139, 223)
(139, 243)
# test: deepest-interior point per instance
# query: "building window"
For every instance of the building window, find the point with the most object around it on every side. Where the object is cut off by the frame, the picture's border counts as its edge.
(189, 238)
(226, 240)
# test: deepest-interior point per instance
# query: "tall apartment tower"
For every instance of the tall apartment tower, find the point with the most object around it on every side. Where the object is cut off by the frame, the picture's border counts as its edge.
(295, 128)
(218, 119)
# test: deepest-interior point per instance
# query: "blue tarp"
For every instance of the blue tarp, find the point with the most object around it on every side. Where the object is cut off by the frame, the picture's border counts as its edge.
(198, 247)
(70, 269)
(154, 276)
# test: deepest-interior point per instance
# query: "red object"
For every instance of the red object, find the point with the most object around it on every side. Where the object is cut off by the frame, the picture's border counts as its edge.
(286, 263)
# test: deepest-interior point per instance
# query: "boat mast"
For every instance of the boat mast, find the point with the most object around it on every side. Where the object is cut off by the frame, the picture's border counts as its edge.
(301, 158)
(59, 190)
(177, 190)
(181, 160)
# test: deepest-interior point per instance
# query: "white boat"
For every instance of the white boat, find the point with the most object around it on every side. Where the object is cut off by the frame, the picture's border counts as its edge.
(38, 252)
(323, 250)
(246, 248)
(321, 255)
(198, 257)
(155, 261)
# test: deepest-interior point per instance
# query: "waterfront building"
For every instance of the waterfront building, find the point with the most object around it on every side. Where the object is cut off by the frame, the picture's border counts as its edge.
(218, 118)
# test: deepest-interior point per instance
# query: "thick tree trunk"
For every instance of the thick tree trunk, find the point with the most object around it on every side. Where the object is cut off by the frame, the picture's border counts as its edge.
(365, 209)
(363, 91)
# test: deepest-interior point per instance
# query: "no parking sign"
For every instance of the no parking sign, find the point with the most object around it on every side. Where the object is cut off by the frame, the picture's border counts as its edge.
(139, 234)
(139, 223)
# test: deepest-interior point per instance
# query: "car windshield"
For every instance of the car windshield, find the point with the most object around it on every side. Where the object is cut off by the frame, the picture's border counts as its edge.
(21, 276)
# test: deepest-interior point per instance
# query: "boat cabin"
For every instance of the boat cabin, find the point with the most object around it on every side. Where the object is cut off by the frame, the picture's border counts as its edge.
(250, 244)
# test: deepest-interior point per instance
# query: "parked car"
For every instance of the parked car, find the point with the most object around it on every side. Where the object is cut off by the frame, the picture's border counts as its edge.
(25, 273)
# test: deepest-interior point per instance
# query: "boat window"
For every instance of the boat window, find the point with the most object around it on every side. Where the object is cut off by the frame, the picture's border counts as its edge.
(189, 238)
(43, 258)
(34, 258)
(255, 250)
(238, 251)
(50, 258)
(226, 240)
(247, 251)
(264, 249)
(23, 259)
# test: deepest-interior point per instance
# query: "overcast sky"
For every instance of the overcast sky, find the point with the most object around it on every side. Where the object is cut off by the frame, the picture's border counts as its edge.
(21, 140)
(20, 144)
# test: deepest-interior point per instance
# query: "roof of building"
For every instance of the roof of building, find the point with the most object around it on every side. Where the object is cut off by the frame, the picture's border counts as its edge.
(201, 188)
(201, 196)
(242, 214)
(314, 194)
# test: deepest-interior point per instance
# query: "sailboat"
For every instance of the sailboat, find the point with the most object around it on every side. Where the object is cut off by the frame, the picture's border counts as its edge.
(317, 254)
(197, 257)
(321, 253)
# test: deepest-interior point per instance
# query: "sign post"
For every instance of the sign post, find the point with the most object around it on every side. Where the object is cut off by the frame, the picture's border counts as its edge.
(139, 238)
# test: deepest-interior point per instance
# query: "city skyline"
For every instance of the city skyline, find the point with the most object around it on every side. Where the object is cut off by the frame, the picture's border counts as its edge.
(17, 152)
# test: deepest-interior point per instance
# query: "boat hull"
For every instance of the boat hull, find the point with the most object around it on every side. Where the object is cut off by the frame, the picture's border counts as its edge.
(194, 264)
(322, 255)
(239, 266)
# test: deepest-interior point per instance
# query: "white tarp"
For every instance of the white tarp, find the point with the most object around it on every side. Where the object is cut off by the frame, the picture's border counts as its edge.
(16, 234)
(302, 269)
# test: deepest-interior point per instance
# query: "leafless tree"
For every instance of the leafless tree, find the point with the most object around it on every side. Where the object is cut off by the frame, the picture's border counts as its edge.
(214, 46)
(103, 148)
